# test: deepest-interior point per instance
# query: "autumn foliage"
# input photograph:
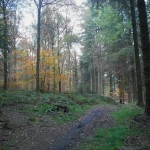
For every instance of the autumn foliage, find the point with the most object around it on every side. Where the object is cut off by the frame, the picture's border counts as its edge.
(22, 72)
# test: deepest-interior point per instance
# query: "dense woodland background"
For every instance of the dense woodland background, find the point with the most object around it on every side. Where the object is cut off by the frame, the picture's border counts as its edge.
(113, 40)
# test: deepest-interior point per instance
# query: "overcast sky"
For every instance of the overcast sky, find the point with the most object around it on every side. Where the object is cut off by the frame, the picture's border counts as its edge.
(30, 18)
(79, 2)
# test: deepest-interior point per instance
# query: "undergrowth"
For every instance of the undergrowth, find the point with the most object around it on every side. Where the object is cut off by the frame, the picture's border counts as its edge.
(113, 137)
(39, 104)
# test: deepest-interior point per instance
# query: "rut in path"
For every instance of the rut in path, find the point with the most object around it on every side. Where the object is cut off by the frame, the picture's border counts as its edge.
(82, 128)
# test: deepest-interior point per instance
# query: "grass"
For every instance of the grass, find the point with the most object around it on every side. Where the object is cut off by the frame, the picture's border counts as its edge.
(126, 113)
(75, 112)
(37, 105)
(8, 98)
(113, 137)
(5, 148)
(32, 120)
(42, 103)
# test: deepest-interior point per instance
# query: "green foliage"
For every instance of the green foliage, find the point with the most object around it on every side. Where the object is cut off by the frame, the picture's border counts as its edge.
(120, 53)
(5, 148)
(42, 108)
(110, 24)
(105, 25)
(32, 120)
(39, 104)
(84, 87)
(16, 97)
(126, 113)
(106, 42)
(113, 138)
(71, 39)
(105, 139)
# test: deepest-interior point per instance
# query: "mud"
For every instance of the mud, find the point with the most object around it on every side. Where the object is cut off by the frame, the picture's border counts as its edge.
(82, 128)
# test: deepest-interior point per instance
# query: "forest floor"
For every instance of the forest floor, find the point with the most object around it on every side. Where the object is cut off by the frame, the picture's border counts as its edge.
(21, 129)
(47, 135)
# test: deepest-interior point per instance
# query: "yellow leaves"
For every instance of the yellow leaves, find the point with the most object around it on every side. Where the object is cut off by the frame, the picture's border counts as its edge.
(18, 84)
(24, 74)
(24, 71)
(63, 77)
(48, 58)
(119, 92)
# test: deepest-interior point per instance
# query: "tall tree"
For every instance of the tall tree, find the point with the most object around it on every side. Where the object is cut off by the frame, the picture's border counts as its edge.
(5, 42)
(137, 59)
(146, 50)
(39, 6)
(110, 26)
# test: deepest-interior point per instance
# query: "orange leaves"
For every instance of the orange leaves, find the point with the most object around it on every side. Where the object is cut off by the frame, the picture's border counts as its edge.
(24, 72)
(24, 69)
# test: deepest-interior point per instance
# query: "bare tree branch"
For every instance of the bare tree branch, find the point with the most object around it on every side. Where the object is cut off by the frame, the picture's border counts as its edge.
(36, 3)
(52, 2)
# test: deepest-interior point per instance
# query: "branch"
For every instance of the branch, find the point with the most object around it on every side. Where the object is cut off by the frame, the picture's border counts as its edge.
(6, 3)
(48, 26)
(36, 3)
(50, 3)
(56, 2)
(126, 27)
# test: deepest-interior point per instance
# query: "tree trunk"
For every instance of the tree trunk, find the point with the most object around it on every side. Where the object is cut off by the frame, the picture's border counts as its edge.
(133, 78)
(95, 80)
(129, 89)
(110, 84)
(137, 59)
(91, 82)
(70, 88)
(14, 46)
(76, 73)
(54, 82)
(5, 48)
(114, 83)
(99, 79)
(58, 54)
(121, 83)
(54, 70)
(146, 51)
(59, 71)
(100, 72)
(102, 79)
(38, 48)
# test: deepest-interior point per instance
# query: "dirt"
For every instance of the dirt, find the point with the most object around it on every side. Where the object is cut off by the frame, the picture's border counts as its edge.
(21, 134)
(82, 128)
(20, 131)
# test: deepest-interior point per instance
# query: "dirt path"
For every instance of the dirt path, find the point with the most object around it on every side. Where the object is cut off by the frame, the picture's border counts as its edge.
(46, 135)
(84, 127)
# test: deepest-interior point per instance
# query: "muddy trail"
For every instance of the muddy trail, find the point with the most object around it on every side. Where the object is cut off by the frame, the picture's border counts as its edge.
(47, 135)
(82, 128)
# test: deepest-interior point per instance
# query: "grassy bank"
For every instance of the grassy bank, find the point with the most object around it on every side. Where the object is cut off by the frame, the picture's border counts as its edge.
(46, 104)
(113, 137)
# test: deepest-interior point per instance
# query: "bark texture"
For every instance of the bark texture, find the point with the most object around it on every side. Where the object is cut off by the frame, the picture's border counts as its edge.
(38, 48)
(136, 50)
(146, 51)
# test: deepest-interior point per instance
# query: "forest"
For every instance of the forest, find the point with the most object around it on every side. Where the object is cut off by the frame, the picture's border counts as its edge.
(78, 67)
